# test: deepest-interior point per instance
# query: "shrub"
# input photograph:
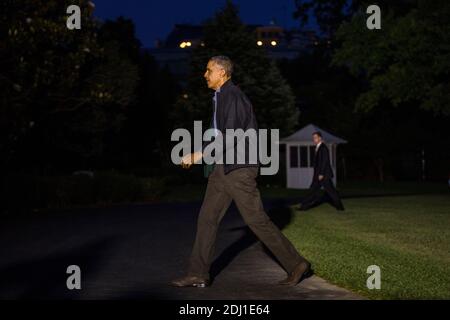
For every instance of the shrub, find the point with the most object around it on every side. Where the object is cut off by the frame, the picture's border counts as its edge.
(26, 192)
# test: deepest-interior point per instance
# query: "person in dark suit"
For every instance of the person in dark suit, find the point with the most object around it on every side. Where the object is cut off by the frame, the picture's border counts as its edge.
(322, 178)
(234, 182)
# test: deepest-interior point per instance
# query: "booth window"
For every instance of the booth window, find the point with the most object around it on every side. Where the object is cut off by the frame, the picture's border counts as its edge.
(303, 157)
(293, 154)
(312, 150)
(333, 155)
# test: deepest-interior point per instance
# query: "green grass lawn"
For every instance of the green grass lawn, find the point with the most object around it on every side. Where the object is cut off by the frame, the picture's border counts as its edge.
(195, 192)
(408, 237)
(404, 229)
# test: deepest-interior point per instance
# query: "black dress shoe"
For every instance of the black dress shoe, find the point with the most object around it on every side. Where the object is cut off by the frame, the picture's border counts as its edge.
(190, 281)
(301, 272)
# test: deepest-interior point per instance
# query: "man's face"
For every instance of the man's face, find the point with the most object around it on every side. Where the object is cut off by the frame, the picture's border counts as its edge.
(316, 139)
(214, 75)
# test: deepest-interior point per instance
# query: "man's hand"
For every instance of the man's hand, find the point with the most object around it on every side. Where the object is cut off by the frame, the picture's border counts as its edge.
(190, 159)
(320, 177)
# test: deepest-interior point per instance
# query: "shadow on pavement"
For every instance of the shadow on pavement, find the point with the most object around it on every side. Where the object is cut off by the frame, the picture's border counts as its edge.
(45, 277)
(280, 214)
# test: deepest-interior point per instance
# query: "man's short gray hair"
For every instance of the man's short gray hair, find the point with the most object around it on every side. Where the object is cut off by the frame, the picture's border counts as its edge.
(225, 63)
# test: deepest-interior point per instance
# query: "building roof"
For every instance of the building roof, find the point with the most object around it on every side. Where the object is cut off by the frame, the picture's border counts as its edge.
(305, 134)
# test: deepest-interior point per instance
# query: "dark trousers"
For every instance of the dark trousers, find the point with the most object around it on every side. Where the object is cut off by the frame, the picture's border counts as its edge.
(238, 185)
(315, 194)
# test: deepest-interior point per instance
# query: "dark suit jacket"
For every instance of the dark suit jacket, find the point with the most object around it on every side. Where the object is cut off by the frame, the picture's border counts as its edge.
(322, 164)
(234, 111)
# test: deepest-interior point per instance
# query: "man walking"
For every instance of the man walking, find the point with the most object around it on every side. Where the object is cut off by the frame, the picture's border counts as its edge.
(322, 178)
(232, 181)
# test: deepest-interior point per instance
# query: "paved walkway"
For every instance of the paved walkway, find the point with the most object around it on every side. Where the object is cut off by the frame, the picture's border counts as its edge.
(133, 251)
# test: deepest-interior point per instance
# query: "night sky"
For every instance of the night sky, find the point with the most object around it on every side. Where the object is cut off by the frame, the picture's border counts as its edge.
(155, 19)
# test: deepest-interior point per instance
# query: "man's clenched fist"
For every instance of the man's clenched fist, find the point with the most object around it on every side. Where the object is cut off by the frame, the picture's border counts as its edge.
(190, 159)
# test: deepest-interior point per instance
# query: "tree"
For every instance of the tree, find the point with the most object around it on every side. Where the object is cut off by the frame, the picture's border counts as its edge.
(384, 141)
(328, 14)
(147, 130)
(407, 61)
(59, 87)
(256, 74)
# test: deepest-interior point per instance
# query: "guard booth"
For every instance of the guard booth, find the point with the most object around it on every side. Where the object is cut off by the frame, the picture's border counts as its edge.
(300, 155)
